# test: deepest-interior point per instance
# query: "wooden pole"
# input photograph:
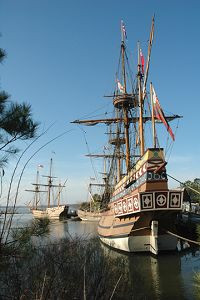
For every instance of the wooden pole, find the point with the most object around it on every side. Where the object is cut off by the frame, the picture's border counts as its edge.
(118, 150)
(141, 130)
(148, 58)
(37, 189)
(91, 197)
(49, 184)
(59, 192)
(152, 116)
(125, 111)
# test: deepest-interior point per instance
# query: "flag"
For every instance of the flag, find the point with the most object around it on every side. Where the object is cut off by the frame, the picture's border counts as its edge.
(159, 114)
(120, 87)
(142, 60)
(123, 29)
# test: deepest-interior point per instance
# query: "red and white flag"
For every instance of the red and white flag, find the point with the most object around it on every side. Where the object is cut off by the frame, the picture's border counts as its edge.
(159, 114)
(120, 87)
(142, 60)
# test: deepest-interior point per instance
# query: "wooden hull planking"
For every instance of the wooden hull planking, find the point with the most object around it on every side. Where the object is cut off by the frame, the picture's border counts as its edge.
(142, 209)
(89, 216)
(50, 213)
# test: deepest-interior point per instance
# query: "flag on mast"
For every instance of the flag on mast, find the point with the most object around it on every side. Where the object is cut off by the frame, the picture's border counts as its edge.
(142, 60)
(123, 29)
(159, 114)
(120, 86)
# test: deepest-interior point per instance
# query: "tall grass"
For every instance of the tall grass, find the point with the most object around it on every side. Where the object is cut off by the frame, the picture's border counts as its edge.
(73, 268)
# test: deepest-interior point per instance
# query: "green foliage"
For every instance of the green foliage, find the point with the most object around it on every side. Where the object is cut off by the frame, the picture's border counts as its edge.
(95, 203)
(70, 269)
(37, 227)
(96, 198)
(194, 196)
(196, 279)
(21, 243)
(16, 123)
(2, 55)
(85, 206)
(16, 120)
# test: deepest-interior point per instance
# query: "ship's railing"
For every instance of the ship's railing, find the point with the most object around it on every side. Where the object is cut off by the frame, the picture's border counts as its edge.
(149, 201)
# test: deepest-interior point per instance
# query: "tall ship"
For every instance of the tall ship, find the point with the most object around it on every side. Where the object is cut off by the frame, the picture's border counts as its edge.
(139, 209)
(52, 208)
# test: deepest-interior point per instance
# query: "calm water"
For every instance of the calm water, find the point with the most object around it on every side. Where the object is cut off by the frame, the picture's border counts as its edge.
(169, 276)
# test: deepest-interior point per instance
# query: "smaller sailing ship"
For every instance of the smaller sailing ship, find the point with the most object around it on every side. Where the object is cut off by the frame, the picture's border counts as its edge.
(90, 211)
(51, 211)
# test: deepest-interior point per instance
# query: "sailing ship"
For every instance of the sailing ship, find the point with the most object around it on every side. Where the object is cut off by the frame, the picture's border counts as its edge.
(140, 211)
(52, 211)
(92, 210)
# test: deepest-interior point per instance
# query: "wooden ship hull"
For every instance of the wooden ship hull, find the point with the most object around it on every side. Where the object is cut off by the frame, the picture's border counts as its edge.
(88, 215)
(142, 209)
(50, 212)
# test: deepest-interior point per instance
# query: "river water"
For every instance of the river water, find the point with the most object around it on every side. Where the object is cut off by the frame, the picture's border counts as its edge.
(168, 276)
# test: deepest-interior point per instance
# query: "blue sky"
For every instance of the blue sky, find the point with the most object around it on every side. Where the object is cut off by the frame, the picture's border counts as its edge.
(62, 57)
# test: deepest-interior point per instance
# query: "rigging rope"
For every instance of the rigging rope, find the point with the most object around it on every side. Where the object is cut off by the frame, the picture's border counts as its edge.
(171, 233)
(181, 237)
(189, 187)
(90, 115)
(172, 144)
(94, 170)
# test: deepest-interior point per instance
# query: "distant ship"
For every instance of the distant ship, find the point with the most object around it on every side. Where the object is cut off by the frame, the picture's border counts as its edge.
(140, 209)
(91, 212)
(51, 211)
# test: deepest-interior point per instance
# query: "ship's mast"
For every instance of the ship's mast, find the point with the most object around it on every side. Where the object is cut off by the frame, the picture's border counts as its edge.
(118, 148)
(37, 190)
(124, 105)
(59, 192)
(153, 118)
(124, 102)
(49, 184)
(148, 58)
(140, 96)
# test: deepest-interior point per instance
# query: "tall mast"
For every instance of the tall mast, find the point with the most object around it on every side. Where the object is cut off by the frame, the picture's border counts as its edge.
(118, 145)
(153, 119)
(90, 195)
(124, 107)
(140, 96)
(124, 102)
(49, 184)
(37, 189)
(59, 192)
(148, 58)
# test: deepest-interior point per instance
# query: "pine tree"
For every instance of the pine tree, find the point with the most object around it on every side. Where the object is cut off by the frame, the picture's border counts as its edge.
(16, 123)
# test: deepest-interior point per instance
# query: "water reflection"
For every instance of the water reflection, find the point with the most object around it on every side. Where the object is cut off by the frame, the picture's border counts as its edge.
(68, 228)
(168, 276)
(152, 277)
